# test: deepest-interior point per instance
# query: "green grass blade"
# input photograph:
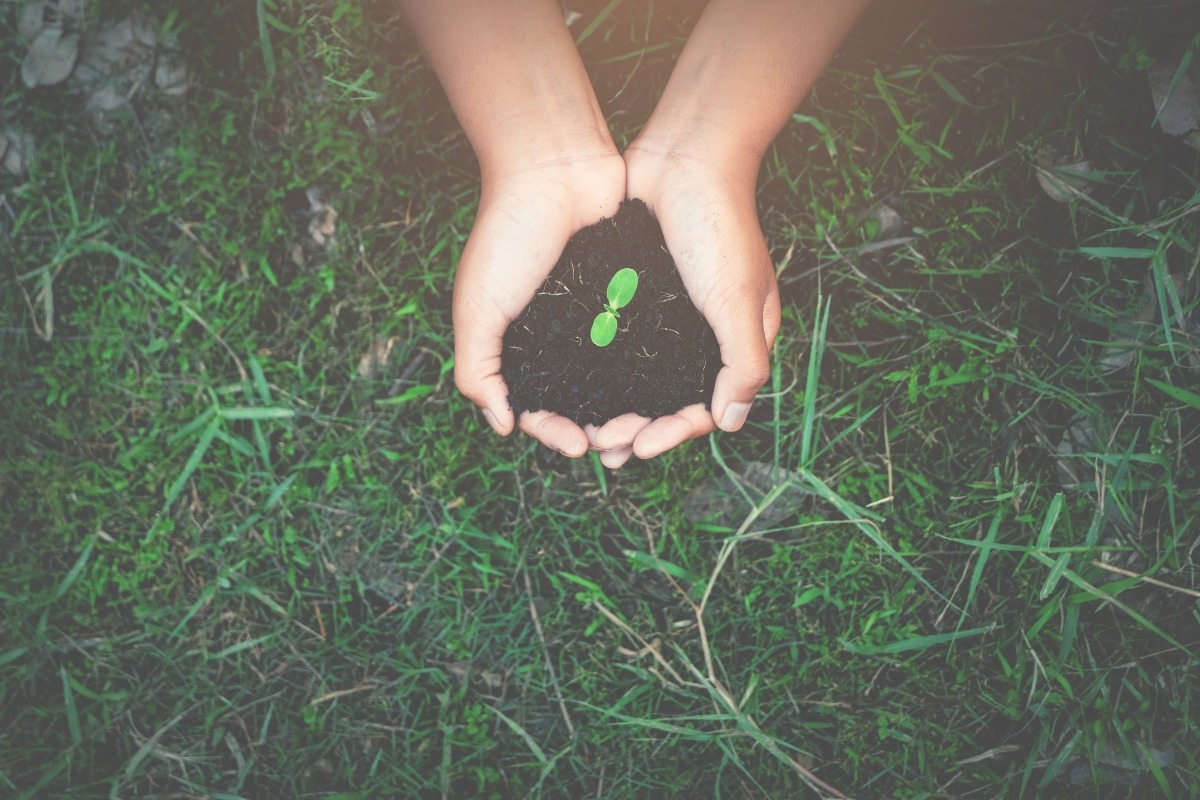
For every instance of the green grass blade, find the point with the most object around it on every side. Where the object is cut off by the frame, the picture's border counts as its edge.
(238, 647)
(13, 654)
(866, 522)
(822, 129)
(1164, 293)
(69, 704)
(812, 381)
(77, 568)
(597, 21)
(985, 550)
(245, 413)
(193, 462)
(920, 643)
(1185, 62)
(1056, 573)
(1101, 595)
(279, 491)
(193, 426)
(530, 742)
(264, 38)
(260, 380)
(408, 395)
(949, 88)
(1052, 513)
(1139, 253)
(1184, 396)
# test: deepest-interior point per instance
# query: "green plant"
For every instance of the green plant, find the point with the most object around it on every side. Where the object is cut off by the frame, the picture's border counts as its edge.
(621, 290)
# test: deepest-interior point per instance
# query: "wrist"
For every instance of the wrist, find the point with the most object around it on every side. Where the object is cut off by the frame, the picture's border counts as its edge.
(681, 166)
(527, 148)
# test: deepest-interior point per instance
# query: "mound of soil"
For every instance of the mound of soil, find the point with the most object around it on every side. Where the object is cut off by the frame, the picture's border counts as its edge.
(664, 357)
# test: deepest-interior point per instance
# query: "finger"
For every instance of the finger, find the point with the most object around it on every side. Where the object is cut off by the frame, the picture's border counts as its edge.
(489, 392)
(742, 328)
(672, 430)
(615, 459)
(478, 342)
(772, 316)
(555, 431)
(618, 432)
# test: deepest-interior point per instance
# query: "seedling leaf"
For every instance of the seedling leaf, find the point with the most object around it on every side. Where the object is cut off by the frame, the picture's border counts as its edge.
(622, 287)
(1182, 395)
(604, 329)
(620, 291)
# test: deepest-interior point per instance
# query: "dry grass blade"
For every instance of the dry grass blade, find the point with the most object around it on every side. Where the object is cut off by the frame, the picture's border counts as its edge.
(1144, 578)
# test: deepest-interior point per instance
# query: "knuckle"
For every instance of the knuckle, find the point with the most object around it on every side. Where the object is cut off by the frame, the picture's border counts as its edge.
(757, 373)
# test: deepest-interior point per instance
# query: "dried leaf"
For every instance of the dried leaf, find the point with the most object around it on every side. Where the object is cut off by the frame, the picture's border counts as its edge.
(1179, 108)
(1118, 769)
(37, 15)
(50, 31)
(312, 213)
(19, 152)
(373, 362)
(324, 226)
(1114, 758)
(888, 221)
(1062, 175)
(1078, 437)
(122, 57)
(50, 58)
(494, 680)
(1132, 332)
(465, 670)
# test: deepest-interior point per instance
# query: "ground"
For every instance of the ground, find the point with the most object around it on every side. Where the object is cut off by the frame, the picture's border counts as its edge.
(255, 544)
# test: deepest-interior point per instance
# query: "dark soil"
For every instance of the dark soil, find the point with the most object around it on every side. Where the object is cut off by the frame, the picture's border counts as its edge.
(664, 357)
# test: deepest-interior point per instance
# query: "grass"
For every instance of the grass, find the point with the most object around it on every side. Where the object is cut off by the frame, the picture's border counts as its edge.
(233, 567)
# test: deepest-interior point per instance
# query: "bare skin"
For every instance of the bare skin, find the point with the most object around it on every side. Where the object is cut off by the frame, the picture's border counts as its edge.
(549, 168)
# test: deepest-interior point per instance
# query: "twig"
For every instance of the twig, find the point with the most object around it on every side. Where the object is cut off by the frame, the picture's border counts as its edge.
(537, 625)
(866, 249)
(646, 646)
(1145, 578)
(732, 705)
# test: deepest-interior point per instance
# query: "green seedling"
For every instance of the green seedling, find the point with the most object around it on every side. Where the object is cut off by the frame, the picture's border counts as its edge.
(620, 291)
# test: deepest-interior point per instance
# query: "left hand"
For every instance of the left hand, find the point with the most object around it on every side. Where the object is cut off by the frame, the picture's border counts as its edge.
(710, 223)
(525, 218)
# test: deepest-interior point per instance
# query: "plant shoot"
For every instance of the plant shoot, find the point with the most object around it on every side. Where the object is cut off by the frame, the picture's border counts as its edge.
(620, 291)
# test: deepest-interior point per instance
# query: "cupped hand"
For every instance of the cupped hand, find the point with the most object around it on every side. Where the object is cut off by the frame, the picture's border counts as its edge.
(710, 223)
(525, 218)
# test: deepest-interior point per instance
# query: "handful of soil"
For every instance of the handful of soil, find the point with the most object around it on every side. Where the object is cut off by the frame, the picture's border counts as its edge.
(664, 356)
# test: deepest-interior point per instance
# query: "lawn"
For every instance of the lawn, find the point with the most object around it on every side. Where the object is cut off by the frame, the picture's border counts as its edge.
(255, 545)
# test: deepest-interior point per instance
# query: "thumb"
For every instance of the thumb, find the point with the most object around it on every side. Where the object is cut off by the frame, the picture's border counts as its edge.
(745, 327)
(478, 344)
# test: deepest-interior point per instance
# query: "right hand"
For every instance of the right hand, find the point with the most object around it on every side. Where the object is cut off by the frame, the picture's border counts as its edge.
(525, 218)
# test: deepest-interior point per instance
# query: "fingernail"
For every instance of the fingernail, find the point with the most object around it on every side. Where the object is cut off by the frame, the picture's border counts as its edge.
(491, 420)
(735, 416)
